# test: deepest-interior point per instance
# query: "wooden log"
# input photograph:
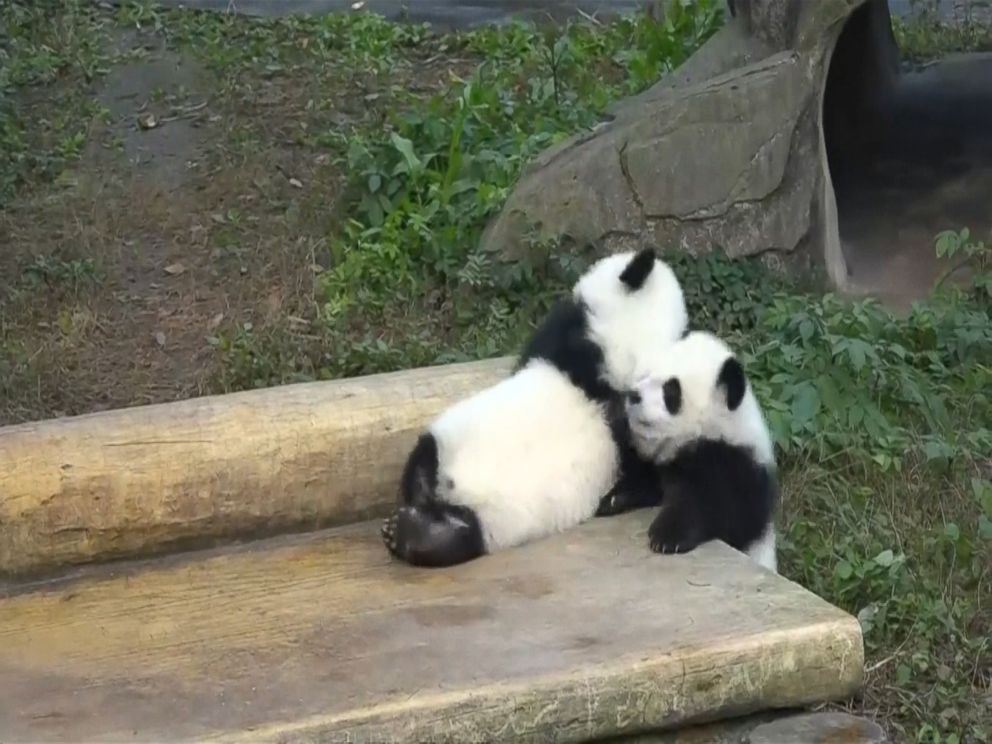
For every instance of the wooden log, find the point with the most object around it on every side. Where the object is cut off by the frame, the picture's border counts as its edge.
(150, 479)
(322, 637)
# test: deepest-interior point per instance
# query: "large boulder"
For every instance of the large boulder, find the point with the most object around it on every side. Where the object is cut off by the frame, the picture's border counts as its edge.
(727, 151)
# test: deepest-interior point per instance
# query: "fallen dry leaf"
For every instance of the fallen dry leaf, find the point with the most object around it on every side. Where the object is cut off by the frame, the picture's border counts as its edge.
(295, 182)
(160, 338)
(215, 321)
(175, 269)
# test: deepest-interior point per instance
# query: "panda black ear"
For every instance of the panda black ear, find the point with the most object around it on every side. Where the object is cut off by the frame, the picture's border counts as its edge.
(638, 269)
(733, 382)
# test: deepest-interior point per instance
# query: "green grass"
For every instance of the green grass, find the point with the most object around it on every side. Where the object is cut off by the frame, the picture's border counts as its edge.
(405, 284)
(882, 426)
(881, 422)
(924, 36)
(46, 46)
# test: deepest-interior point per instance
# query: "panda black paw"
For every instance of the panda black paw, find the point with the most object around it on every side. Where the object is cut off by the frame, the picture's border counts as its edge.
(436, 535)
(669, 535)
(388, 531)
(612, 504)
(670, 548)
(402, 530)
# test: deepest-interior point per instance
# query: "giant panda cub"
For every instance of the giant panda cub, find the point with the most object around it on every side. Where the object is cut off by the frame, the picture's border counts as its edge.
(694, 415)
(535, 453)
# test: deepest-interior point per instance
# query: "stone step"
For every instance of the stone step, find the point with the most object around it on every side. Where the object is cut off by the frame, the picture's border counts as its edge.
(322, 637)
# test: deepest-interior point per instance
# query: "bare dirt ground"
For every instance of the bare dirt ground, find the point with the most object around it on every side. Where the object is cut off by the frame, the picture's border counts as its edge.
(190, 214)
(203, 205)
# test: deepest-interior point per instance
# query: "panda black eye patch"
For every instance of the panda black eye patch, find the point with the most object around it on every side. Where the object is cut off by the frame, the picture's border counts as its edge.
(672, 390)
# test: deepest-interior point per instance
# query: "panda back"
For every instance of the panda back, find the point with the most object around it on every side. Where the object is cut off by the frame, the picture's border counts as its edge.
(531, 455)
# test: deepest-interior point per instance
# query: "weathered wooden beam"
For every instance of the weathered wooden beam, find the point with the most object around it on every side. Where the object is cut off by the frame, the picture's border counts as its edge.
(145, 480)
(321, 637)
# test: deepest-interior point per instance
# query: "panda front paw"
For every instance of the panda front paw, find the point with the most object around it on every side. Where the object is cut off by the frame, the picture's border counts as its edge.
(669, 548)
(389, 532)
(669, 534)
(612, 504)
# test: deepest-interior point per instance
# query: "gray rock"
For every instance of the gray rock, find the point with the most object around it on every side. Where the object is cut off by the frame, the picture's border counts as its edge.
(770, 727)
(819, 728)
(726, 152)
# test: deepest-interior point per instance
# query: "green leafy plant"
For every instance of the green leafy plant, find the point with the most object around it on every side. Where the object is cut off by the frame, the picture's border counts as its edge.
(47, 44)
(969, 252)
(881, 422)
(424, 188)
(53, 271)
(926, 34)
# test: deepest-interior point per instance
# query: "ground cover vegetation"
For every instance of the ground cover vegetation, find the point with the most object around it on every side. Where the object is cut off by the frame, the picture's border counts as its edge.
(302, 198)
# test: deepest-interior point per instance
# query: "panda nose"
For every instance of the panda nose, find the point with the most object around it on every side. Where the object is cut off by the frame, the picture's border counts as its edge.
(633, 397)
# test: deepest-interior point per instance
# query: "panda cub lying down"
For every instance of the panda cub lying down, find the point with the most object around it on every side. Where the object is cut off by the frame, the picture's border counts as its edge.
(536, 453)
(694, 416)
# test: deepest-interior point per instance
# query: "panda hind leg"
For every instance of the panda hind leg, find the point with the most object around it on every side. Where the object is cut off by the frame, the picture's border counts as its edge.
(433, 534)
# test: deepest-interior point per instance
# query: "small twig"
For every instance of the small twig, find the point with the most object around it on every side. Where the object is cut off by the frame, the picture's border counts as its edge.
(879, 664)
(947, 274)
(188, 113)
(894, 655)
(195, 107)
(591, 17)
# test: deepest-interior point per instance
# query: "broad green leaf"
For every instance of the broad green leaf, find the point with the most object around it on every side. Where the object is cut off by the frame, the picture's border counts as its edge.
(983, 493)
(985, 527)
(855, 414)
(885, 558)
(806, 404)
(405, 148)
(856, 349)
(934, 450)
(947, 243)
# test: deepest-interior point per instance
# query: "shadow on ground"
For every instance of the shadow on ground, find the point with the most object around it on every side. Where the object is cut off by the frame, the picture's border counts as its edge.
(932, 172)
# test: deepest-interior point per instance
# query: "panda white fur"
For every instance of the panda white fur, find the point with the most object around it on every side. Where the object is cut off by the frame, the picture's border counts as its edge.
(694, 415)
(535, 453)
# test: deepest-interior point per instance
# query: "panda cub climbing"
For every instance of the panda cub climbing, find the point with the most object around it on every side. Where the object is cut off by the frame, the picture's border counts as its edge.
(535, 453)
(695, 417)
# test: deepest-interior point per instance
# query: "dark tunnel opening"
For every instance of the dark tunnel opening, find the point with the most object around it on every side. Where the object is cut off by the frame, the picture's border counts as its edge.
(910, 155)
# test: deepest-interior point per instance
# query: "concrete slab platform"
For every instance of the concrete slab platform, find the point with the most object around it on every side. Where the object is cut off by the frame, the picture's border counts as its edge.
(323, 637)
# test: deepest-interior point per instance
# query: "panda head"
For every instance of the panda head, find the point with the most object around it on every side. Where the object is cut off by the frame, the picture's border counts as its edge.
(633, 304)
(695, 388)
